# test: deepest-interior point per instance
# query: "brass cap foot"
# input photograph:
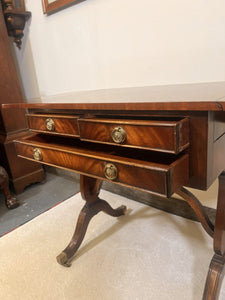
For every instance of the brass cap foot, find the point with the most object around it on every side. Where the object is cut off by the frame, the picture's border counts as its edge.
(123, 209)
(63, 260)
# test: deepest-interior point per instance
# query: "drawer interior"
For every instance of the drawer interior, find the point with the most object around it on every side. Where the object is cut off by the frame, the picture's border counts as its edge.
(99, 150)
(158, 173)
(165, 118)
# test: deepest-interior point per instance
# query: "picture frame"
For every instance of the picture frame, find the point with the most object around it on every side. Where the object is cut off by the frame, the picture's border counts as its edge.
(52, 6)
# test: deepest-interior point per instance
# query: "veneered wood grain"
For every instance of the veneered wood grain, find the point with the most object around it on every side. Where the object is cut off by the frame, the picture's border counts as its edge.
(199, 135)
(159, 135)
(145, 175)
(65, 125)
(136, 106)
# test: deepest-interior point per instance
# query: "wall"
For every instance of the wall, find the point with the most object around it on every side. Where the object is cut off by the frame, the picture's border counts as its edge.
(100, 44)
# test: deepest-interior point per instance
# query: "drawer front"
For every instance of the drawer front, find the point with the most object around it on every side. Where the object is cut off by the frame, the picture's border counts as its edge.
(160, 179)
(53, 124)
(163, 136)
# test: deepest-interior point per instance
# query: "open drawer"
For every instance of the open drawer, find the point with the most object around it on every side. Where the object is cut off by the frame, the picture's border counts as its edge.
(157, 173)
(164, 134)
(65, 125)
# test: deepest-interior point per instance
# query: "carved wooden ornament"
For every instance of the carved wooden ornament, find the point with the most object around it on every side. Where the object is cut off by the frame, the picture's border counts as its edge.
(15, 18)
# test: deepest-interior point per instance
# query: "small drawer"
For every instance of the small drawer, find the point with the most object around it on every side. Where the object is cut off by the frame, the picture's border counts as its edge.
(158, 134)
(53, 124)
(158, 173)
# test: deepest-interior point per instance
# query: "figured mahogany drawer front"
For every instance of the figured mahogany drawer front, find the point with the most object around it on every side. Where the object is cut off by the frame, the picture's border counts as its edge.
(53, 124)
(163, 135)
(159, 175)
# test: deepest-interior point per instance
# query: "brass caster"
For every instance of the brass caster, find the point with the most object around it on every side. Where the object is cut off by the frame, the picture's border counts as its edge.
(123, 209)
(63, 260)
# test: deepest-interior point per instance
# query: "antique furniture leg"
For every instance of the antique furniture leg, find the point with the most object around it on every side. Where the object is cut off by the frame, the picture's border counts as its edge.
(90, 188)
(216, 268)
(10, 201)
(198, 208)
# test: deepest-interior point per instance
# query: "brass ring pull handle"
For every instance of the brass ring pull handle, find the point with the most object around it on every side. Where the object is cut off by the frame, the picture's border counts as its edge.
(119, 135)
(50, 124)
(111, 171)
(37, 155)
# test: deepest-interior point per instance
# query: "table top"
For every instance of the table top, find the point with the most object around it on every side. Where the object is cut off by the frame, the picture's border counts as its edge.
(196, 97)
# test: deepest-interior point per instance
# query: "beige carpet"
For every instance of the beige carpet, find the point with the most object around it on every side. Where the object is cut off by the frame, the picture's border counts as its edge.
(147, 254)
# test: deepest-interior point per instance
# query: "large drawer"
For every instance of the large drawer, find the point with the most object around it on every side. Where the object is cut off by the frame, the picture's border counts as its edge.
(169, 135)
(53, 124)
(158, 173)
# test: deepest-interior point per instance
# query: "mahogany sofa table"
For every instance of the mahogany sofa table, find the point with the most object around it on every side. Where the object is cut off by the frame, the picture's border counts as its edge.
(155, 139)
